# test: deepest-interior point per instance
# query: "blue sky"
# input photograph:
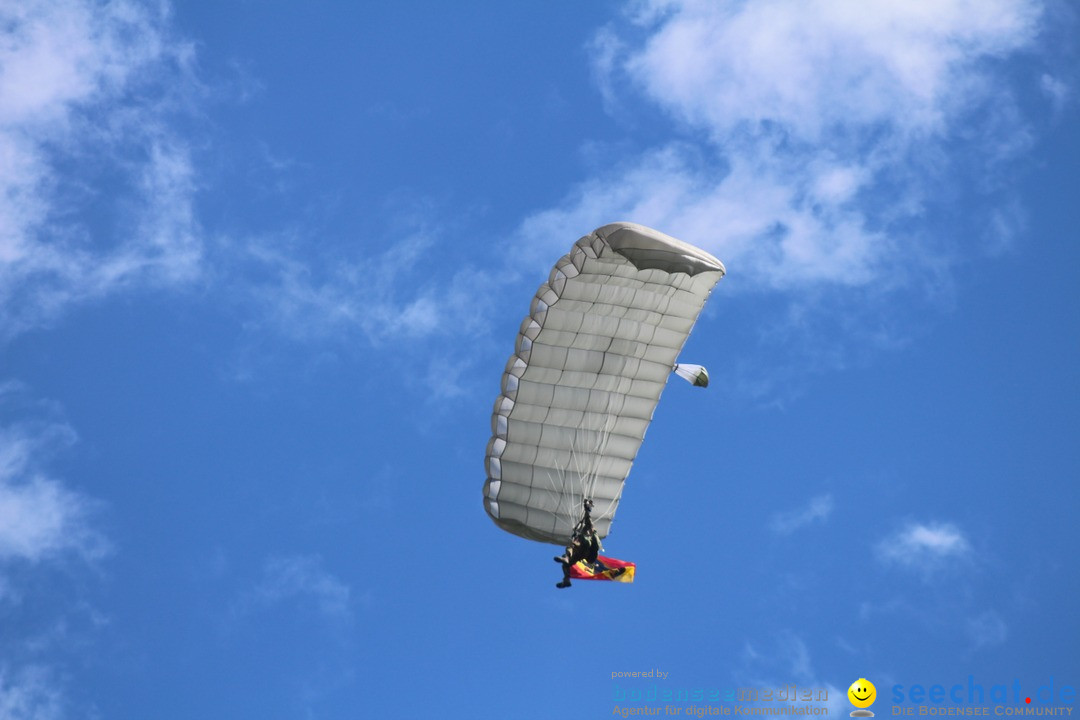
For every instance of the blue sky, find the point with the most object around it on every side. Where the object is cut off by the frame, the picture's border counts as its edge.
(261, 266)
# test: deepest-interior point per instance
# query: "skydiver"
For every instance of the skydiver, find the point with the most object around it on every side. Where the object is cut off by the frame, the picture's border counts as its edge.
(584, 545)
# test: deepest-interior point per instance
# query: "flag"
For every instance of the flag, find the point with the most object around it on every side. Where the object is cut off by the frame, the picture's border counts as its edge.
(604, 568)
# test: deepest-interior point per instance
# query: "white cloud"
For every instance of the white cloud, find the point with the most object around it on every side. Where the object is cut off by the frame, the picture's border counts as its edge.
(606, 47)
(924, 547)
(818, 67)
(96, 190)
(395, 295)
(30, 694)
(301, 578)
(783, 661)
(40, 518)
(987, 629)
(819, 510)
(1056, 89)
(798, 655)
(825, 128)
(42, 523)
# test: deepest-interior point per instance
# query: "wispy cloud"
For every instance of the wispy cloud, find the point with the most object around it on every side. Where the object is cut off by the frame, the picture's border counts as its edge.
(30, 693)
(924, 547)
(390, 296)
(302, 579)
(986, 630)
(40, 518)
(819, 510)
(96, 189)
(407, 296)
(816, 133)
(43, 525)
(782, 660)
(1056, 89)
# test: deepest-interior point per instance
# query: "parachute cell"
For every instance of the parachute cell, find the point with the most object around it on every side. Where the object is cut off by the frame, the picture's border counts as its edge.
(590, 363)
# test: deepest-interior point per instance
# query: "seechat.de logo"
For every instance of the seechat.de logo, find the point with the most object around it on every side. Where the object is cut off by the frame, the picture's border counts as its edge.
(862, 694)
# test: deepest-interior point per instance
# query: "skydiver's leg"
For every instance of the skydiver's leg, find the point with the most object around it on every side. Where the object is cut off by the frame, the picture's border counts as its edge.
(567, 560)
(572, 554)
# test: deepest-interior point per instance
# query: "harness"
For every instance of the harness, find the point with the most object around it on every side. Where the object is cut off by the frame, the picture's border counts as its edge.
(584, 529)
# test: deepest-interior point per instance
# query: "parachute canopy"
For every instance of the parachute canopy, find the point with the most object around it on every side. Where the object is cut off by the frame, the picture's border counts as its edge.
(590, 362)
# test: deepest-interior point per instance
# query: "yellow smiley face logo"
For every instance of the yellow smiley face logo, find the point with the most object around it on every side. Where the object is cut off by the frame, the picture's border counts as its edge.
(862, 693)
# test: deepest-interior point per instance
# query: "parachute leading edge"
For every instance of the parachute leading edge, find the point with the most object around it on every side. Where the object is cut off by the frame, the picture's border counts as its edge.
(589, 365)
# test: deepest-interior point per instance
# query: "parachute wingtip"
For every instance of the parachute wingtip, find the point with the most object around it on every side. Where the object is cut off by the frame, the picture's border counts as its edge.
(696, 375)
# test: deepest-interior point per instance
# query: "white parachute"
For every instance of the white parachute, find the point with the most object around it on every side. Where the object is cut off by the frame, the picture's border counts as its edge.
(590, 362)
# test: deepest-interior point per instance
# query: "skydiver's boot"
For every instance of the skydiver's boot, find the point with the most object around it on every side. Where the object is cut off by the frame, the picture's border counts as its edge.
(563, 584)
